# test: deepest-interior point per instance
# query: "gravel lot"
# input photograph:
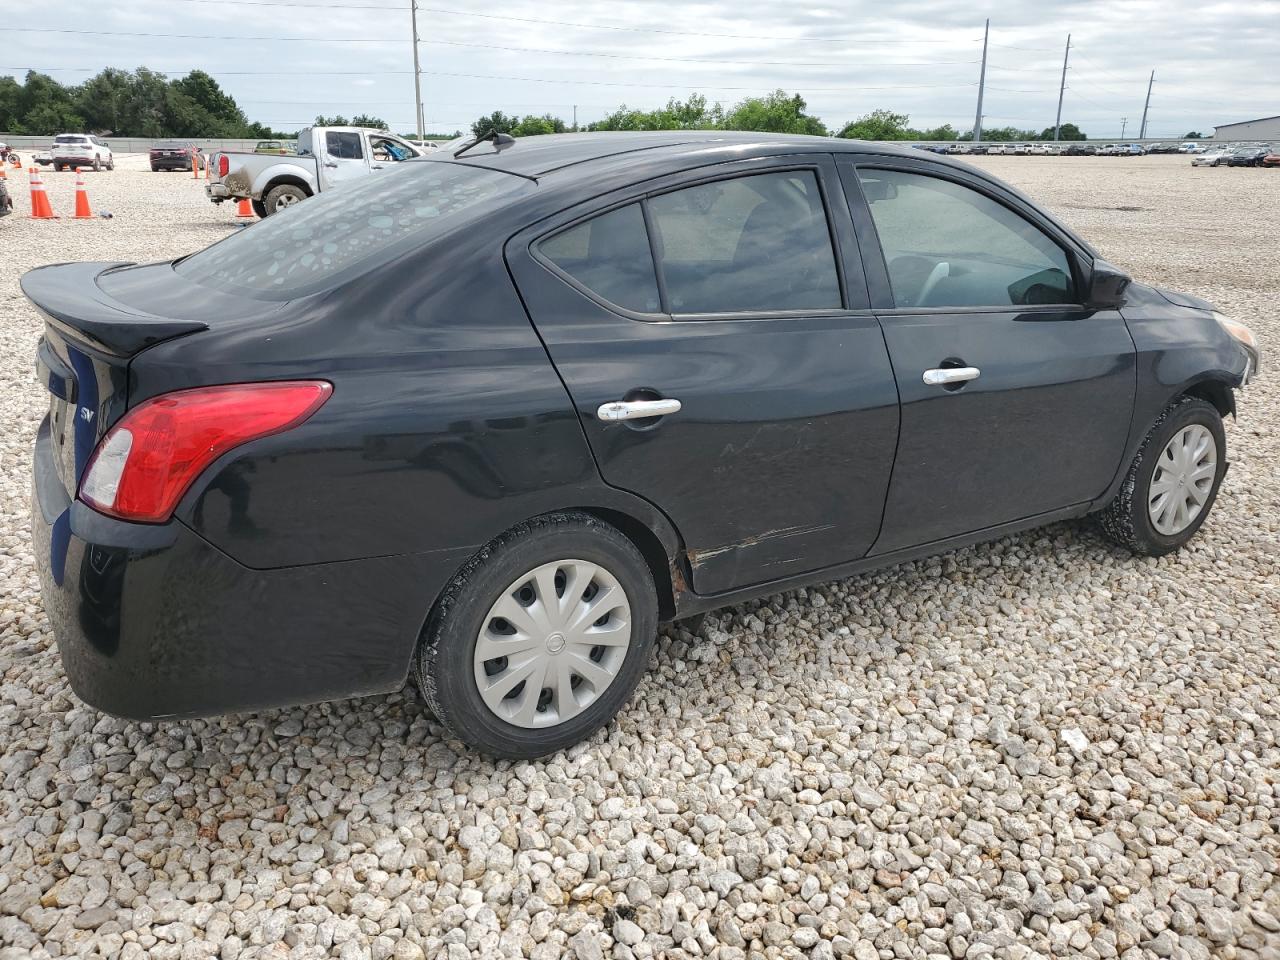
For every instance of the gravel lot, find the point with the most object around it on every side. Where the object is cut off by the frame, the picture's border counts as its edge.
(1040, 747)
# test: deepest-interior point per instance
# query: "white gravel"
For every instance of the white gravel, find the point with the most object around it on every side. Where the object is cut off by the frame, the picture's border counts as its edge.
(1040, 747)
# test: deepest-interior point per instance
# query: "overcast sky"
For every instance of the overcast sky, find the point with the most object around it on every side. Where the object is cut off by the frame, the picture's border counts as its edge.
(1214, 62)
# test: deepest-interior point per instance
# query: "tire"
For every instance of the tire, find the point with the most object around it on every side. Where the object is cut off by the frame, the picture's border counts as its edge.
(1128, 520)
(111, 164)
(155, 169)
(285, 195)
(259, 208)
(97, 164)
(57, 168)
(447, 670)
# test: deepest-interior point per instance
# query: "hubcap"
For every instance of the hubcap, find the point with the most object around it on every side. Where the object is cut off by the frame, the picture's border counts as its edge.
(1182, 480)
(286, 200)
(552, 643)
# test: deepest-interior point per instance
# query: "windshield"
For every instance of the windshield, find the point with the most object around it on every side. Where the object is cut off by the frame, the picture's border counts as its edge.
(347, 230)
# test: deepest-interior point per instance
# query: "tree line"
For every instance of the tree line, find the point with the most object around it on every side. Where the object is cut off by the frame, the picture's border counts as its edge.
(144, 103)
(779, 112)
(138, 103)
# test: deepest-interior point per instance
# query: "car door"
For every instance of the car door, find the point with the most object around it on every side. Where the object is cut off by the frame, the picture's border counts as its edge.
(1016, 396)
(723, 361)
(344, 156)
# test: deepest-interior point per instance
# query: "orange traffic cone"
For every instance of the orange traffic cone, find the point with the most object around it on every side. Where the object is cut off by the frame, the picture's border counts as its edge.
(245, 210)
(82, 200)
(40, 208)
(195, 165)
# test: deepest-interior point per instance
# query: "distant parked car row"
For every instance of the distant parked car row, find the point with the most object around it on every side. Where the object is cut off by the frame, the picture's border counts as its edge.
(1252, 155)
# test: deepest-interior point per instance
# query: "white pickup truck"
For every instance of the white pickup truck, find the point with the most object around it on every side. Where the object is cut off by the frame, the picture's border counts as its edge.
(326, 157)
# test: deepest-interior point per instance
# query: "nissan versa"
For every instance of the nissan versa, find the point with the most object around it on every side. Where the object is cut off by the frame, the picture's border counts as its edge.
(492, 416)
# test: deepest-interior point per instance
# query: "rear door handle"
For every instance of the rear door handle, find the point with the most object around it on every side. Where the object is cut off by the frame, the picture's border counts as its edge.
(942, 376)
(637, 409)
(330, 163)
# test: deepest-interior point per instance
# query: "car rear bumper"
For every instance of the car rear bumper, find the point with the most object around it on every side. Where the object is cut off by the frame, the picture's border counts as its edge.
(217, 192)
(153, 621)
(171, 163)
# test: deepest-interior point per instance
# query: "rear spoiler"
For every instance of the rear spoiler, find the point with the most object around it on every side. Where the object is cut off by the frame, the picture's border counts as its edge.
(68, 296)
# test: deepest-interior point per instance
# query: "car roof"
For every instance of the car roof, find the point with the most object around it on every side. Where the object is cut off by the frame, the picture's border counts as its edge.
(541, 155)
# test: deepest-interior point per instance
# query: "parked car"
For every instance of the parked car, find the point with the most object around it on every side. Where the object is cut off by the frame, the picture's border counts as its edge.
(472, 420)
(1248, 156)
(1212, 158)
(1081, 150)
(1191, 146)
(999, 149)
(274, 147)
(1130, 150)
(43, 158)
(1272, 159)
(273, 183)
(81, 150)
(175, 155)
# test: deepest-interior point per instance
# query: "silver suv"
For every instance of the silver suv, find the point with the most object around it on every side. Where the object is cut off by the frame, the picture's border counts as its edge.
(81, 150)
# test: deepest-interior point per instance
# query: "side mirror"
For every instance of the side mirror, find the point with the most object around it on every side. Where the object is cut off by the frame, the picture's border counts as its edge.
(1107, 285)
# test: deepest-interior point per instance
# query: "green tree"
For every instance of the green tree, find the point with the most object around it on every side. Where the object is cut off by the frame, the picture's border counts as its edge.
(1068, 131)
(877, 125)
(496, 122)
(531, 126)
(779, 112)
(337, 120)
(365, 120)
(1193, 135)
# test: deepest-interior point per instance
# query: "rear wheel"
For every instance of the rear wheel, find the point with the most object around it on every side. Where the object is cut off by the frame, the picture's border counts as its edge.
(259, 208)
(57, 168)
(541, 638)
(1173, 481)
(285, 195)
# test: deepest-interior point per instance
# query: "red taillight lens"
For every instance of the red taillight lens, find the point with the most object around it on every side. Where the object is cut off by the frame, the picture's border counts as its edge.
(224, 165)
(147, 461)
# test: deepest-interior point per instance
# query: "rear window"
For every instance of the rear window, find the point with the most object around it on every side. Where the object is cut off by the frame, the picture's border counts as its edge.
(333, 237)
(69, 139)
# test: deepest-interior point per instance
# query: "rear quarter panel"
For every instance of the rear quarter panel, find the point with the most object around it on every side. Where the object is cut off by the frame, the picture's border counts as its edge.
(447, 423)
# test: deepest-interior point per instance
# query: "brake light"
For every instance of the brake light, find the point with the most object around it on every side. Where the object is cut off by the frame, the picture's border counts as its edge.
(224, 165)
(148, 460)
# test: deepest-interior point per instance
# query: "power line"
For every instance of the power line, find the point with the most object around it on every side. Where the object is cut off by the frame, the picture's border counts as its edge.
(563, 23)
(484, 46)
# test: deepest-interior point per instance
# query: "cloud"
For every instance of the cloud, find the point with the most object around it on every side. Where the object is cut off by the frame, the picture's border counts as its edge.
(846, 58)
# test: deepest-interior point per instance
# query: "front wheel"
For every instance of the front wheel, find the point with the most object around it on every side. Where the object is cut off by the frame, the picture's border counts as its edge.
(259, 208)
(541, 638)
(1173, 481)
(97, 164)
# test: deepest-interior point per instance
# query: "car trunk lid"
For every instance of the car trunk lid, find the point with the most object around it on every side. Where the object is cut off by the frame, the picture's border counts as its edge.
(98, 318)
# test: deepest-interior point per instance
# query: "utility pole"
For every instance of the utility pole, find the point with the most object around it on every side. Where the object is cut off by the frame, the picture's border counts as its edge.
(1057, 124)
(575, 118)
(1142, 133)
(1124, 122)
(417, 71)
(982, 82)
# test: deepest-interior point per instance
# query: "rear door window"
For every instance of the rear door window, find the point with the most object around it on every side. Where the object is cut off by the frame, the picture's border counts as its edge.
(757, 243)
(609, 255)
(336, 235)
(343, 145)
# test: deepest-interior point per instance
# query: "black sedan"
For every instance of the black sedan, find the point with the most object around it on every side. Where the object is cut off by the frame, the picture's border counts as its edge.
(492, 416)
(1248, 157)
(174, 155)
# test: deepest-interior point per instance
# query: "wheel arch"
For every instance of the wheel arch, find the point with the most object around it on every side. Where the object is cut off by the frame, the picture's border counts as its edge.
(1216, 390)
(285, 179)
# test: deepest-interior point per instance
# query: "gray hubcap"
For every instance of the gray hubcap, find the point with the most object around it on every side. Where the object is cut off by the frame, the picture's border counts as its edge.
(285, 200)
(1182, 479)
(552, 643)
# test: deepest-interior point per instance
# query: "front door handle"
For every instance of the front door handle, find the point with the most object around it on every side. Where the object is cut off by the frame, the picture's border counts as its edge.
(332, 164)
(944, 376)
(637, 409)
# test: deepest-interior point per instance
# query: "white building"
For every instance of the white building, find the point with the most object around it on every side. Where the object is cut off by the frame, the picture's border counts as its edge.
(1268, 128)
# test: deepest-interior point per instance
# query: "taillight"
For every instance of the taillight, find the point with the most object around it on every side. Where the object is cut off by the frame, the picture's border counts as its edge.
(224, 165)
(147, 461)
